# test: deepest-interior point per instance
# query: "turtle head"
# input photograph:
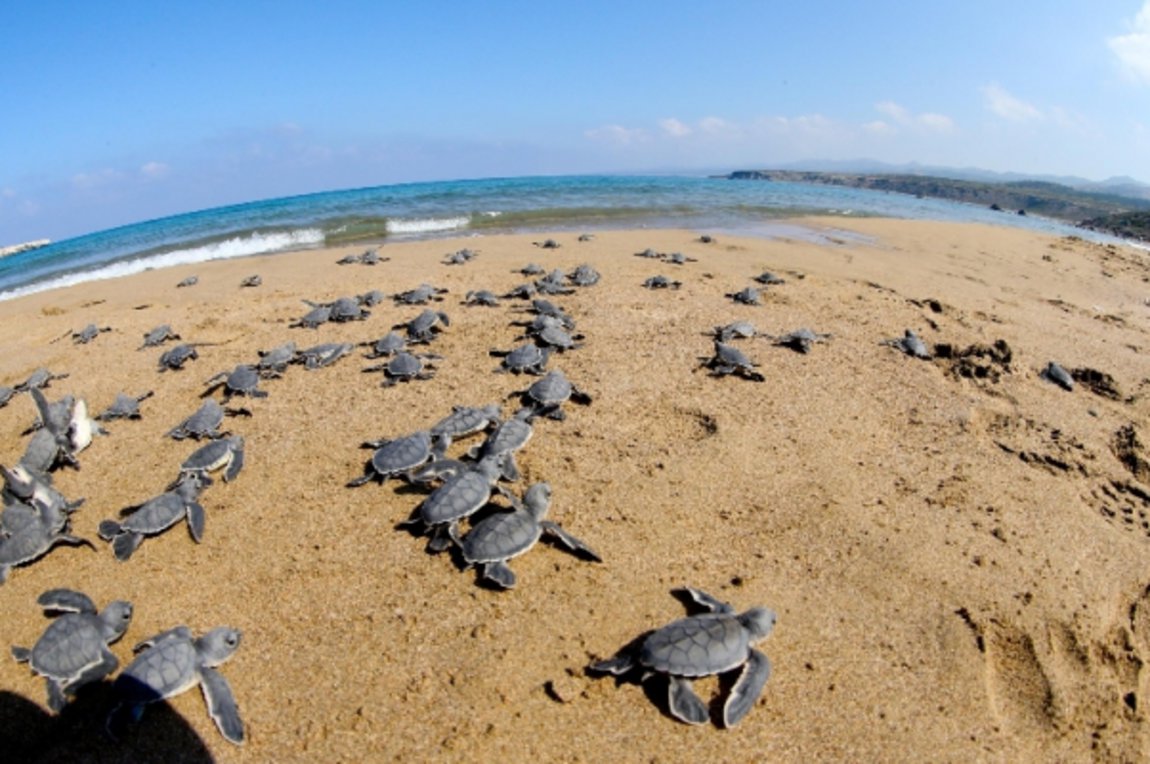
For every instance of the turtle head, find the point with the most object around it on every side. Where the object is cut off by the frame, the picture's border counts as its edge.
(115, 619)
(537, 500)
(218, 645)
(758, 621)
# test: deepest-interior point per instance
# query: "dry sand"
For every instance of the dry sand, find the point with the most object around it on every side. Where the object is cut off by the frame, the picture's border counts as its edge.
(959, 565)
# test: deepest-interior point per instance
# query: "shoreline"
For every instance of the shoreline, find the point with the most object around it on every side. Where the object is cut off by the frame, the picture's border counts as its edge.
(954, 547)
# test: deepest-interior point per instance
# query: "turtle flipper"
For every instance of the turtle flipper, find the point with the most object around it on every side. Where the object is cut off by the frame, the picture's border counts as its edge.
(234, 467)
(195, 514)
(712, 604)
(105, 667)
(440, 540)
(21, 654)
(56, 699)
(566, 539)
(499, 574)
(125, 543)
(222, 705)
(684, 704)
(66, 600)
(746, 691)
(618, 665)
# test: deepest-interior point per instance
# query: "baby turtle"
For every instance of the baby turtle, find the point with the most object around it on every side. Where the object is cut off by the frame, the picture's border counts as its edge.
(504, 535)
(124, 407)
(650, 254)
(404, 367)
(188, 281)
(745, 296)
(225, 454)
(372, 257)
(347, 309)
(584, 237)
(528, 358)
(547, 396)
(737, 329)
(553, 283)
(371, 298)
(34, 535)
(157, 515)
(324, 355)
(462, 494)
(800, 340)
(464, 421)
(460, 257)
(38, 380)
(705, 644)
(706, 239)
(318, 315)
(678, 258)
(661, 282)
(531, 269)
(397, 457)
(159, 336)
(421, 295)
(24, 485)
(423, 328)
(242, 380)
(73, 650)
(584, 275)
(274, 362)
(728, 359)
(767, 278)
(386, 346)
(1058, 375)
(173, 662)
(547, 244)
(504, 441)
(252, 281)
(176, 357)
(521, 292)
(911, 344)
(89, 333)
(550, 333)
(483, 297)
(204, 423)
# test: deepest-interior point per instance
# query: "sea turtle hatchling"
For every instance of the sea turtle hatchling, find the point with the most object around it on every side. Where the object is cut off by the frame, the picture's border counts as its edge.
(531, 269)
(173, 662)
(482, 297)
(521, 292)
(175, 358)
(89, 333)
(911, 344)
(745, 296)
(386, 346)
(323, 355)
(547, 244)
(37, 533)
(371, 298)
(800, 340)
(397, 457)
(546, 396)
(584, 275)
(73, 650)
(225, 454)
(460, 257)
(705, 644)
(728, 359)
(421, 295)
(244, 380)
(346, 309)
(274, 362)
(252, 281)
(156, 515)
(38, 380)
(502, 536)
(188, 281)
(502, 442)
(318, 315)
(424, 327)
(528, 358)
(736, 329)
(461, 495)
(464, 421)
(678, 258)
(661, 282)
(1058, 375)
(124, 407)
(650, 254)
(372, 257)
(767, 278)
(204, 422)
(159, 336)
(550, 333)
(405, 366)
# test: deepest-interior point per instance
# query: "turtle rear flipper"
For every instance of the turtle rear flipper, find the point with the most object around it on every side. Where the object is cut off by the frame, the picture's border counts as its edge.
(683, 703)
(747, 689)
(566, 539)
(222, 706)
(21, 654)
(125, 543)
(108, 529)
(499, 574)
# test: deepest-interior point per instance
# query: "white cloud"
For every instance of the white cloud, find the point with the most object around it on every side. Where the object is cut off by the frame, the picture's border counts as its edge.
(937, 122)
(1133, 49)
(896, 112)
(617, 134)
(1005, 105)
(675, 128)
(715, 125)
(878, 127)
(154, 170)
(901, 116)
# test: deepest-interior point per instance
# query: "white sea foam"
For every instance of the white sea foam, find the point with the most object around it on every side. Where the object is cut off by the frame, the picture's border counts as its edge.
(425, 225)
(240, 246)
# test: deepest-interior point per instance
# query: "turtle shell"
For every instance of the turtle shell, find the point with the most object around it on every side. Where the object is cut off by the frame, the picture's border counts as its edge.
(209, 457)
(501, 537)
(463, 494)
(553, 388)
(509, 436)
(164, 670)
(699, 645)
(402, 453)
(156, 514)
(72, 643)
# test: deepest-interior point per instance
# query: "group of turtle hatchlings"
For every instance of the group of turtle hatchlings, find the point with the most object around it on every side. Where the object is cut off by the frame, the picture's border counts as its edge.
(73, 650)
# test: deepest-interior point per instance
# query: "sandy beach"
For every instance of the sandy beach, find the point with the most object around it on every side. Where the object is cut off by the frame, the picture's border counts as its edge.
(956, 548)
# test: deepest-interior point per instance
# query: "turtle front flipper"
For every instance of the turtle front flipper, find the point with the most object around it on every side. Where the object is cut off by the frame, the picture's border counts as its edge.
(683, 703)
(222, 706)
(571, 542)
(236, 464)
(56, 699)
(66, 600)
(712, 604)
(499, 574)
(195, 516)
(21, 654)
(618, 665)
(746, 691)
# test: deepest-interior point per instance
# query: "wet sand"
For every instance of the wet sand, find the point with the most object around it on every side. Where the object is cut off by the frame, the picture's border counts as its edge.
(956, 548)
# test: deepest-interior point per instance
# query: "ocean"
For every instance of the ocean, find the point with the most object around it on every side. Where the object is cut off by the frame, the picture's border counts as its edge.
(373, 216)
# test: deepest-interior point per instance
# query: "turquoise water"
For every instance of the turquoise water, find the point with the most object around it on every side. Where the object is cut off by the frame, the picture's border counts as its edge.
(368, 216)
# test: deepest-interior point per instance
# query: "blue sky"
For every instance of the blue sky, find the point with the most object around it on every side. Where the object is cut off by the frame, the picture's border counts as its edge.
(115, 112)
